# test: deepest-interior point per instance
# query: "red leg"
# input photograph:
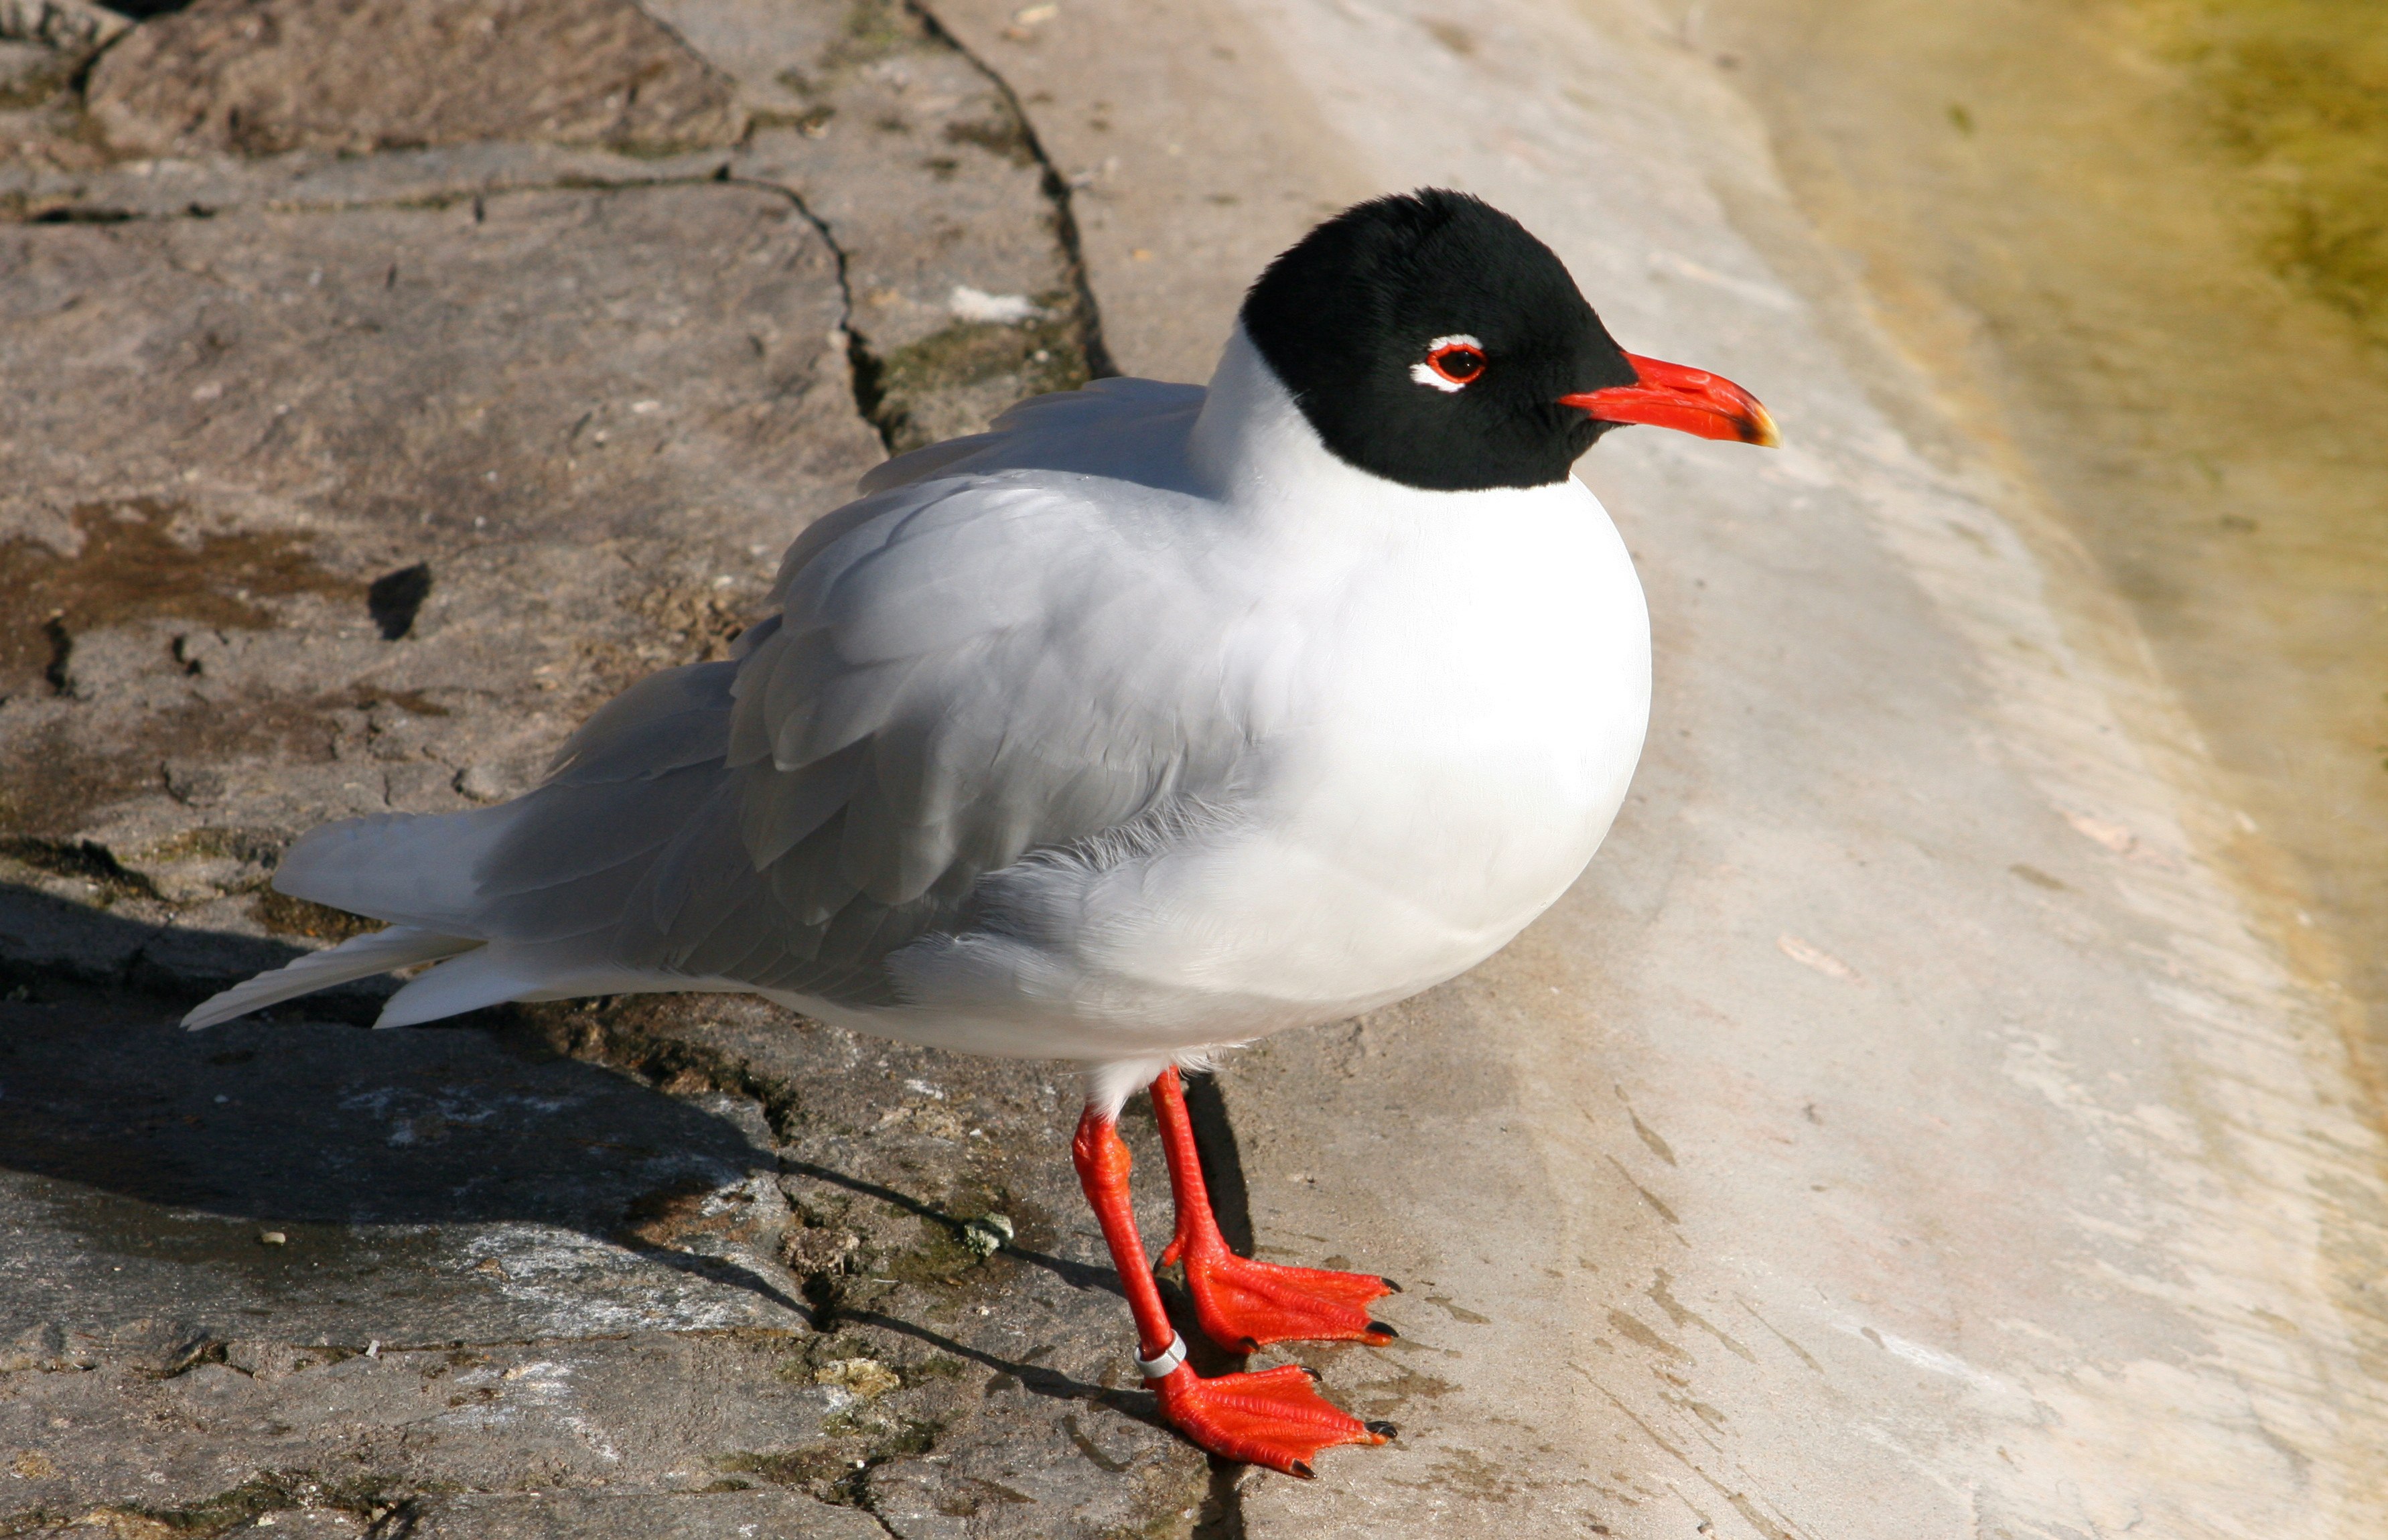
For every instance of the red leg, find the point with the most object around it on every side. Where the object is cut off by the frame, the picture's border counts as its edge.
(1271, 1417)
(1242, 1304)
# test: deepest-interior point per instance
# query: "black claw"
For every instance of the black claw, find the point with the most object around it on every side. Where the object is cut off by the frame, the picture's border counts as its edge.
(1383, 1429)
(1314, 1376)
(1252, 1344)
(1379, 1326)
(1300, 1467)
(1389, 1283)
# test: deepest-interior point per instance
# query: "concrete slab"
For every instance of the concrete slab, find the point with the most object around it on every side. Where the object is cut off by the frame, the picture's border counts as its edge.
(1193, 151)
(1903, 1129)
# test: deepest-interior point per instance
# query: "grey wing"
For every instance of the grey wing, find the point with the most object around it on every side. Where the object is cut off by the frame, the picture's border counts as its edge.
(960, 673)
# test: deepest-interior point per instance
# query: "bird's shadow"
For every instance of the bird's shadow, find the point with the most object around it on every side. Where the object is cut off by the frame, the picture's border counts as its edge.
(160, 1156)
(174, 1151)
(379, 1154)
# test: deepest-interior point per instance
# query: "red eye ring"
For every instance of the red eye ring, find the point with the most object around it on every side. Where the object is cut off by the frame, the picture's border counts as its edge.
(1457, 362)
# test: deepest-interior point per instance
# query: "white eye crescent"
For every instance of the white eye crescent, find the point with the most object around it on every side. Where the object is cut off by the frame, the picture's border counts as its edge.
(1451, 363)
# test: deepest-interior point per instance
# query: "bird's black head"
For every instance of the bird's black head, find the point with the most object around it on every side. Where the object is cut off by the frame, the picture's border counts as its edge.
(1430, 340)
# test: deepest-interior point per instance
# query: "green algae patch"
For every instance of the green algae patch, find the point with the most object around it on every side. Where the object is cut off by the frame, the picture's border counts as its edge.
(2297, 91)
(1014, 359)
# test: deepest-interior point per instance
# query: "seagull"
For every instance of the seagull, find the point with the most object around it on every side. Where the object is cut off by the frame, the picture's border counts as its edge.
(1156, 719)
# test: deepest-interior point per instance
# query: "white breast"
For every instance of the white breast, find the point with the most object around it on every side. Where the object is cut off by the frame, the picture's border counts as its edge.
(1446, 754)
(1473, 724)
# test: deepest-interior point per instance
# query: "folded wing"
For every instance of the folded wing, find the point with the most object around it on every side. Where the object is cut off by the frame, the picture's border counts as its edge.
(957, 671)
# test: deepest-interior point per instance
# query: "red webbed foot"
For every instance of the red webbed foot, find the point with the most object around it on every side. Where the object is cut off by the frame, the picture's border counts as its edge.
(1244, 1304)
(1270, 1418)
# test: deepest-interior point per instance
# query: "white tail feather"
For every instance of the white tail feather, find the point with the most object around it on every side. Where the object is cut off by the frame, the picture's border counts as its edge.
(494, 973)
(359, 957)
(500, 972)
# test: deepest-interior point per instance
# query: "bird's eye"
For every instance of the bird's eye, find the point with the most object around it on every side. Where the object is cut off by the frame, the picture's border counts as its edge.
(1458, 364)
(1451, 363)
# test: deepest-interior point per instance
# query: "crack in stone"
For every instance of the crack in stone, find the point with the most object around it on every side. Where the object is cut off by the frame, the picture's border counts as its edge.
(78, 80)
(85, 858)
(1052, 183)
(210, 1349)
(1221, 1514)
(61, 641)
(661, 1061)
(570, 182)
(269, 1491)
(863, 369)
(857, 1488)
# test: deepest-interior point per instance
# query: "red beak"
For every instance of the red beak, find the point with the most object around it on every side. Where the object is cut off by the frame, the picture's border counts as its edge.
(1689, 400)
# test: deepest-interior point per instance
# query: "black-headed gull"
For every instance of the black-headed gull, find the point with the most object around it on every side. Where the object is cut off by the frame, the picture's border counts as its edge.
(1157, 720)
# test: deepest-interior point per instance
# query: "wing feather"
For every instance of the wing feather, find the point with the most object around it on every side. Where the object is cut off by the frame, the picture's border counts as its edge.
(997, 651)
(960, 671)
(1009, 667)
(664, 722)
(777, 809)
(810, 885)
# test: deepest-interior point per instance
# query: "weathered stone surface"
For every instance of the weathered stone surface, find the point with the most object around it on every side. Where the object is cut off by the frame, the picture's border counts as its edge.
(646, 1413)
(451, 1187)
(345, 483)
(321, 183)
(42, 45)
(714, 1516)
(493, 368)
(592, 449)
(258, 77)
(25, 70)
(66, 26)
(41, 126)
(306, 1523)
(915, 161)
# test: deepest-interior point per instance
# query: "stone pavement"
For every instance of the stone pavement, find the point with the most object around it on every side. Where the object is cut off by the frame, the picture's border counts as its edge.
(386, 386)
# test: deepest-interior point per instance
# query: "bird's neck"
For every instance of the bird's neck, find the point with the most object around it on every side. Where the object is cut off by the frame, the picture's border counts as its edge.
(1252, 446)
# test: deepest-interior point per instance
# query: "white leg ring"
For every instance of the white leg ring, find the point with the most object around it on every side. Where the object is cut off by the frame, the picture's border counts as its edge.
(1171, 1357)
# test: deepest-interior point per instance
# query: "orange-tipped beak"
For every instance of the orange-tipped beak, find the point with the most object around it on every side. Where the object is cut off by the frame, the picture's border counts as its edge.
(1689, 400)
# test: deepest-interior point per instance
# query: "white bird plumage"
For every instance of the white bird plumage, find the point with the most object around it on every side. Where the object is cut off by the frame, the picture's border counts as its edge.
(1139, 726)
